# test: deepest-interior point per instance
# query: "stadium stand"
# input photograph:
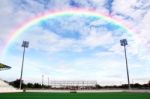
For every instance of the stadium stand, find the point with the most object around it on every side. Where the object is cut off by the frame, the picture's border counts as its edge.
(73, 84)
(5, 87)
(4, 67)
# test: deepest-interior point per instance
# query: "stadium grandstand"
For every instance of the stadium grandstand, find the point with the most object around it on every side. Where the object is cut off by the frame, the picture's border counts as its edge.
(4, 67)
(4, 86)
(65, 84)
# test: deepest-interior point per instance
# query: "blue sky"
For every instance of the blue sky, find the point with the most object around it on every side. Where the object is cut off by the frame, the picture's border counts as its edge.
(77, 47)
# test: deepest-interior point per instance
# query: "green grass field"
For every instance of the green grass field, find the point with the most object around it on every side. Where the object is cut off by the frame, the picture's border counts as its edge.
(74, 96)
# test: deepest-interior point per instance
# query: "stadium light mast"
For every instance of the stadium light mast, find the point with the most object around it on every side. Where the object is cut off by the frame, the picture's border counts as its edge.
(25, 45)
(123, 43)
(42, 80)
(48, 80)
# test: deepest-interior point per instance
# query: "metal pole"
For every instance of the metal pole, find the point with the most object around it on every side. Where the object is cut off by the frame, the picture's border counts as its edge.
(42, 80)
(48, 81)
(22, 69)
(127, 68)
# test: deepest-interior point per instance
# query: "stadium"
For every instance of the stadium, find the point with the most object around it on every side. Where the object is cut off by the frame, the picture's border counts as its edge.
(73, 49)
(68, 90)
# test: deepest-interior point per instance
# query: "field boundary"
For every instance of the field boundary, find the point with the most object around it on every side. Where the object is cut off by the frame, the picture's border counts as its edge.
(89, 91)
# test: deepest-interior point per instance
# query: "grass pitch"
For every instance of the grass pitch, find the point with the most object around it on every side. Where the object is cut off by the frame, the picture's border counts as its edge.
(120, 95)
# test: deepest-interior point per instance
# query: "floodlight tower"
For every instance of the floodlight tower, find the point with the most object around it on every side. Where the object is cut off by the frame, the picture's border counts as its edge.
(123, 43)
(25, 45)
(42, 80)
(48, 81)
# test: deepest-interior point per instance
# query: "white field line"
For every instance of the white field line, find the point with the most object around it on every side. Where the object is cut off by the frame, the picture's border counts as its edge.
(89, 91)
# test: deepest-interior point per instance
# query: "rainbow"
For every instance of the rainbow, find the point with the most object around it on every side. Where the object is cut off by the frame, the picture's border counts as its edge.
(51, 14)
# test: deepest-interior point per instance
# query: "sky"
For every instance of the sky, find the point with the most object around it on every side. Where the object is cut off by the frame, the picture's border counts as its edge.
(77, 47)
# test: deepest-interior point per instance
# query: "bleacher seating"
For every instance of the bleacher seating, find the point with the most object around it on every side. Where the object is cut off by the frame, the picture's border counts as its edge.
(5, 87)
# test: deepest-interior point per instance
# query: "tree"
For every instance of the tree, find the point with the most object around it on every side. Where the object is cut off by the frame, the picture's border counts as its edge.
(36, 85)
(16, 83)
(98, 86)
(149, 84)
(30, 85)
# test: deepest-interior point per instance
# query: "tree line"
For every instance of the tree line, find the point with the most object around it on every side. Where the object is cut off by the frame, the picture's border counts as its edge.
(16, 84)
(37, 85)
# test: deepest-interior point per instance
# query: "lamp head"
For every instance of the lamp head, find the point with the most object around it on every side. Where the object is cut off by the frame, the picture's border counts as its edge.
(25, 44)
(123, 42)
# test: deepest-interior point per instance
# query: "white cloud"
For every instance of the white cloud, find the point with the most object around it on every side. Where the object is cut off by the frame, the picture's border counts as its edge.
(95, 39)
(101, 68)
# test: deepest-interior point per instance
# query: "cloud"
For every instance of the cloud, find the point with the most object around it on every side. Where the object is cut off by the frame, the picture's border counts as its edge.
(95, 39)
(132, 10)
(55, 35)
(92, 44)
